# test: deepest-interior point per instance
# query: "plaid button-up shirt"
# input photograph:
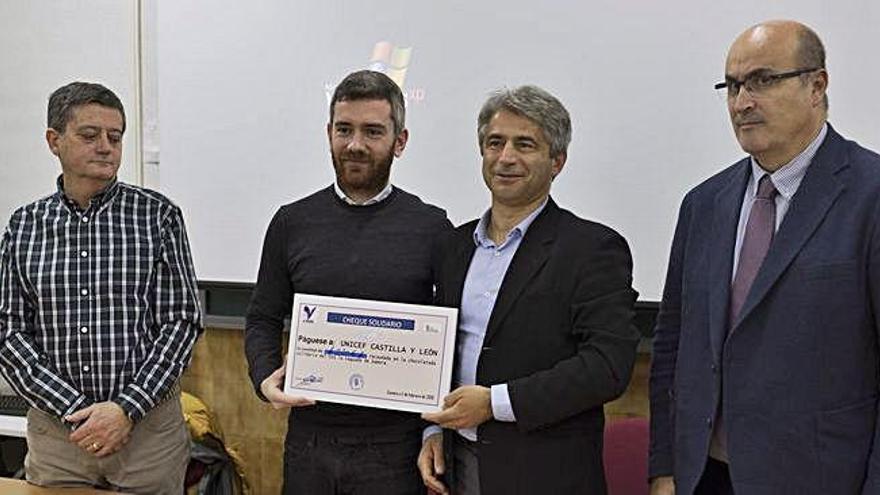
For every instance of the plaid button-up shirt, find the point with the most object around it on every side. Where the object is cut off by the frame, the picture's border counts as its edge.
(97, 304)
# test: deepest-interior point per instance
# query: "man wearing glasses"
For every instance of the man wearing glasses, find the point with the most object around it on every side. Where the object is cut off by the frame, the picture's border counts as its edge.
(765, 371)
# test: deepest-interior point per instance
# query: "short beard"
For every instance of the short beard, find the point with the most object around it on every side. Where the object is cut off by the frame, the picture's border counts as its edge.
(372, 184)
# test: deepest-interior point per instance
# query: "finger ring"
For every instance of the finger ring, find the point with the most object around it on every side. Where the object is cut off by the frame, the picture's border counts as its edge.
(96, 446)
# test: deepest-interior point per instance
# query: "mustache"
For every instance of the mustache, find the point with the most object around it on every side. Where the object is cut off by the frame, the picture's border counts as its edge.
(747, 118)
(506, 169)
(355, 155)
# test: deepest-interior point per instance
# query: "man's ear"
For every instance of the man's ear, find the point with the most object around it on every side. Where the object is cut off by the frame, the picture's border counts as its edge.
(52, 138)
(819, 86)
(558, 163)
(400, 142)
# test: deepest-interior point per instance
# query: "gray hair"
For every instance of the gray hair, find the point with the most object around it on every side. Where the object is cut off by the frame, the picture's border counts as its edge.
(810, 52)
(534, 104)
(64, 100)
(372, 85)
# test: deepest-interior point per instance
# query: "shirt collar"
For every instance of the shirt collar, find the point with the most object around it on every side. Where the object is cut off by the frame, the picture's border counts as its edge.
(481, 236)
(384, 193)
(788, 178)
(97, 200)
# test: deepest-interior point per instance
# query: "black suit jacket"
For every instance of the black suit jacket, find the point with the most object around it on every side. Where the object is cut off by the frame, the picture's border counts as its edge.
(561, 337)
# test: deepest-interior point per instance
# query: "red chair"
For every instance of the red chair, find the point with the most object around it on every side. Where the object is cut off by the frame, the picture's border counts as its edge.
(626, 456)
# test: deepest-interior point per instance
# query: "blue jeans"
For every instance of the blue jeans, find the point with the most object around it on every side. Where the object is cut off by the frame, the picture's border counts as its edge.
(351, 464)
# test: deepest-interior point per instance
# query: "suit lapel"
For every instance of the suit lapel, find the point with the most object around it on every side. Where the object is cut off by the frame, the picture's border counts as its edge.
(725, 219)
(532, 254)
(815, 196)
(458, 263)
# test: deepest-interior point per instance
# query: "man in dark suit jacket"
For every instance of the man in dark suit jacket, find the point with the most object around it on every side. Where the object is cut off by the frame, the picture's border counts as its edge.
(545, 332)
(765, 370)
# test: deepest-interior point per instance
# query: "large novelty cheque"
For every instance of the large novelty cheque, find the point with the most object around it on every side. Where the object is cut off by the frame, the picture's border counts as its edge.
(370, 353)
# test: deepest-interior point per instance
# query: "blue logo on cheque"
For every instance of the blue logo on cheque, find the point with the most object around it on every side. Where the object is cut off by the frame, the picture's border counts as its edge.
(356, 381)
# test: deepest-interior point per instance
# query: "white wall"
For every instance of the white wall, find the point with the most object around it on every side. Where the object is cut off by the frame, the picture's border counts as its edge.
(235, 99)
(46, 44)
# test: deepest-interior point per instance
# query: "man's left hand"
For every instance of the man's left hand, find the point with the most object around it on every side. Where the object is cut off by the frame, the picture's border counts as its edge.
(465, 407)
(103, 428)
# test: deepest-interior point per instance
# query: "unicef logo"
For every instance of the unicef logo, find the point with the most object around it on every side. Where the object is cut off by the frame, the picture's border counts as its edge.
(356, 382)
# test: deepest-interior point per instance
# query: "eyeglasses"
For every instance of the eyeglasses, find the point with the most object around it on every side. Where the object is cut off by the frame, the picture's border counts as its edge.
(758, 81)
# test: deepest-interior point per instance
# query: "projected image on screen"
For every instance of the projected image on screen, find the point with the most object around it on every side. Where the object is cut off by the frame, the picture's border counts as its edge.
(244, 95)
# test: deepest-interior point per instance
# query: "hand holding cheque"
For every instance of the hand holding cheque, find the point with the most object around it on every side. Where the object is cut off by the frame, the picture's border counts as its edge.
(272, 388)
(369, 353)
(466, 407)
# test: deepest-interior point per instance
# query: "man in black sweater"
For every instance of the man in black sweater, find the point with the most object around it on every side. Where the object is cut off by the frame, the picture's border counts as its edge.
(359, 238)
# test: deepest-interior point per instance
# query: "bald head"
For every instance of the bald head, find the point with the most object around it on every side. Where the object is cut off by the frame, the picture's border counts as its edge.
(778, 104)
(770, 29)
(792, 37)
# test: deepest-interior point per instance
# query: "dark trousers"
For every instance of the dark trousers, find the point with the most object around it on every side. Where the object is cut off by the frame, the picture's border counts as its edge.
(467, 466)
(715, 479)
(351, 463)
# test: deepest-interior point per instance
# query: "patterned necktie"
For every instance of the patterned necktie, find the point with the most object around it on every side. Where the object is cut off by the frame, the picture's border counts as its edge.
(756, 242)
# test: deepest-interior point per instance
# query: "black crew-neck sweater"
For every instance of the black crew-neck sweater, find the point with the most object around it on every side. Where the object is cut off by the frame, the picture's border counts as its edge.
(322, 245)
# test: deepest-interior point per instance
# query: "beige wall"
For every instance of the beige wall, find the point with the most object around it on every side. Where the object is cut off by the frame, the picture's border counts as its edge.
(218, 376)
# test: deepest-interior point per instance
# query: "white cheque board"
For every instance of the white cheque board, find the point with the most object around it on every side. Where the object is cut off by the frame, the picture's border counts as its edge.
(370, 353)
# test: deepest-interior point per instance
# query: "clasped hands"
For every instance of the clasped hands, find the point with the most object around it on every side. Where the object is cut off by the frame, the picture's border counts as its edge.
(103, 428)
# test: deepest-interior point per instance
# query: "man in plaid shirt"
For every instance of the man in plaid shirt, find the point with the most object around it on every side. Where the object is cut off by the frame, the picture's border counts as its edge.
(98, 312)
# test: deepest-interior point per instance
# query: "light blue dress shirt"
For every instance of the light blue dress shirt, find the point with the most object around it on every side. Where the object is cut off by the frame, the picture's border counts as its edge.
(481, 285)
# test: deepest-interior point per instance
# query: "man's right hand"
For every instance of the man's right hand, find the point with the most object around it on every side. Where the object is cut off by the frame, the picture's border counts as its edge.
(103, 428)
(272, 388)
(663, 485)
(431, 463)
